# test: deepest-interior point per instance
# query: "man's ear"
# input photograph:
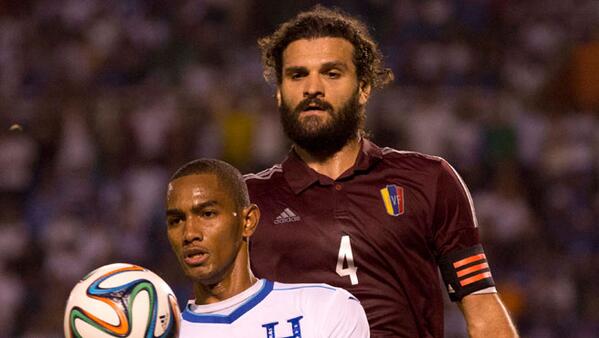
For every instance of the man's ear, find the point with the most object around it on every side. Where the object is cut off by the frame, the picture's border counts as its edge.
(364, 92)
(251, 217)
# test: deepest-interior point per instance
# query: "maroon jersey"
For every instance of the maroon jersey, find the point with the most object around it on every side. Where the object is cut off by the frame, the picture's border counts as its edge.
(381, 230)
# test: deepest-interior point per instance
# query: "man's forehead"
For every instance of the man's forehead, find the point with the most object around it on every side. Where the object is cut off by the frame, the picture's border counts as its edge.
(196, 191)
(324, 49)
(194, 185)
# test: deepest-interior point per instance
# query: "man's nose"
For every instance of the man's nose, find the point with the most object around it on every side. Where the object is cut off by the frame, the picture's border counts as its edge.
(313, 86)
(192, 230)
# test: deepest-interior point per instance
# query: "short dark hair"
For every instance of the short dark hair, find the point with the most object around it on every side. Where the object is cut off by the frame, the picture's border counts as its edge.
(324, 22)
(228, 175)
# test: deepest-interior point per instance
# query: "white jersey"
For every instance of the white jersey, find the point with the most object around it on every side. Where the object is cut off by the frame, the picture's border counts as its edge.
(272, 310)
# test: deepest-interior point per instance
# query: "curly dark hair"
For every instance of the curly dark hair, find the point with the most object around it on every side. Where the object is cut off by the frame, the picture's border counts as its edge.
(324, 22)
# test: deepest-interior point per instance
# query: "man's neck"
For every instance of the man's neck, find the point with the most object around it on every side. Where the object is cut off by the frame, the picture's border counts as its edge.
(239, 279)
(336, 164)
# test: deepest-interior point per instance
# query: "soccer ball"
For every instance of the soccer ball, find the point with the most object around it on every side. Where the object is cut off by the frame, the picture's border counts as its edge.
(122, 300)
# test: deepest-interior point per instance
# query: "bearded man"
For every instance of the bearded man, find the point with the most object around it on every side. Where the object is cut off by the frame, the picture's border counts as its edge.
(378, 222)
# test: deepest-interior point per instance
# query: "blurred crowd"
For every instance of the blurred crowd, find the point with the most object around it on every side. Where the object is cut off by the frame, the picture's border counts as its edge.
(106, 98)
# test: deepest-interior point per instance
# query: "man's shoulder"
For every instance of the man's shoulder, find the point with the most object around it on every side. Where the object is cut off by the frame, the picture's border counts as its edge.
(428, 168)
(264, 176)
(337, 312)
(318, 287)
(264, 182)
(314, 292)
(391, 154)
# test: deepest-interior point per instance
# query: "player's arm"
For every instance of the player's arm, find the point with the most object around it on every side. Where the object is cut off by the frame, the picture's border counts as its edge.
(463, 263)
(345, 317)
(470, 284)
(486, 316)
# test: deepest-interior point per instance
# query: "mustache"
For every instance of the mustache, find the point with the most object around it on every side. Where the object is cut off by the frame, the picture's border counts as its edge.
(313, 102)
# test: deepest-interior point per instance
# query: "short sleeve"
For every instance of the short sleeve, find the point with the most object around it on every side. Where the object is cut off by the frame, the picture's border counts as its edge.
(459, 252)
(454, 220)
(344, 317)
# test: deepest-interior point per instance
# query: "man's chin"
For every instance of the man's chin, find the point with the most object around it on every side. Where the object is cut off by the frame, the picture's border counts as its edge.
(312, 122)
(198, 274)
(314, 125)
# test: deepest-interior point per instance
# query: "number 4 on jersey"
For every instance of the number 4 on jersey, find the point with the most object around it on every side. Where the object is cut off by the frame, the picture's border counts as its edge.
(346, 255)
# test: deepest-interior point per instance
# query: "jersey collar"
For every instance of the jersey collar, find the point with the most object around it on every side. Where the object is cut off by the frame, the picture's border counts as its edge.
(299, 176)
(249, 304)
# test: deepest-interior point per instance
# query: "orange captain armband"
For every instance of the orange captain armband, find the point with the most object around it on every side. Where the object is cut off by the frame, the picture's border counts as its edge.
(465, 271)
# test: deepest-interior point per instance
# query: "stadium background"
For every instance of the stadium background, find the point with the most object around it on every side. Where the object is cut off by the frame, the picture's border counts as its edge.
(110, 96)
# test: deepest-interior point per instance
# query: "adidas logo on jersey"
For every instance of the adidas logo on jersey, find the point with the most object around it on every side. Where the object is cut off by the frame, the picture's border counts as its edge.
(450, 288)
(287, 216)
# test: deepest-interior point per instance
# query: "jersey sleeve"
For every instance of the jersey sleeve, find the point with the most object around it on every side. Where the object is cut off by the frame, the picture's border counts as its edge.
(344, 317)
(460, 254)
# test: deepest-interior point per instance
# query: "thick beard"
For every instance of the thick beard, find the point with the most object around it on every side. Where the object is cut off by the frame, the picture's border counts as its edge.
(323, 139)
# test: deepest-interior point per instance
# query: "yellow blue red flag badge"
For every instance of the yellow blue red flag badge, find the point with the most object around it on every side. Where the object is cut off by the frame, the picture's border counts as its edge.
(393, 198)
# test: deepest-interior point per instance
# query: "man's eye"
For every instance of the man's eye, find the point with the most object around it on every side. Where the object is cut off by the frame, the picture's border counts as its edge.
(333, 74)
(173, 221)
(296, 76)
(208, 213)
